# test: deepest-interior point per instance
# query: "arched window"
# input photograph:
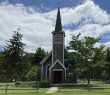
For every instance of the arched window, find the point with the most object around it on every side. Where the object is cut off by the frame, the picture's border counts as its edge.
(47, 71)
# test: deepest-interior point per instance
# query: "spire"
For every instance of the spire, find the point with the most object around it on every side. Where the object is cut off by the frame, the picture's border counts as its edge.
(58, 26)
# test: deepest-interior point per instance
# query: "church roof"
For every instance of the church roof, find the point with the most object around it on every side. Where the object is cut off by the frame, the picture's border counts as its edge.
(58, 26)
(45, 59)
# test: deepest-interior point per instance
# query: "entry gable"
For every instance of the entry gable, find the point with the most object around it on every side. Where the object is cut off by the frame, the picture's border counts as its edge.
(57, 62)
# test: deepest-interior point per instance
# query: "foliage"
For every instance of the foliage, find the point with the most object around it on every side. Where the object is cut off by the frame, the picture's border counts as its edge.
(38, 56)
(14, 64)
(29, 82)
(34, 74)
(88, 56)
(18, 83)
(45, 83)
(2, 70)
(71, 65)
(69, 80)
(106, 71)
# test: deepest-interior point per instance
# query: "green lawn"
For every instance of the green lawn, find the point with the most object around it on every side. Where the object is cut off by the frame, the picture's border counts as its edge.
(62, 92)
(65, 91)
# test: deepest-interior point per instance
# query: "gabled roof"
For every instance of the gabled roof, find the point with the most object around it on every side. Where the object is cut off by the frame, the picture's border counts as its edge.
(57, 61)
(46, 58)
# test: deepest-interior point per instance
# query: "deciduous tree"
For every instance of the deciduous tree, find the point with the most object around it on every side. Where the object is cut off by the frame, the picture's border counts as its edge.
(86, 54)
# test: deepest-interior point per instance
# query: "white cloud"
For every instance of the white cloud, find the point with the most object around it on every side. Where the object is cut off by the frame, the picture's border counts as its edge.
(87, 12)
(36, 27)
(107, 44)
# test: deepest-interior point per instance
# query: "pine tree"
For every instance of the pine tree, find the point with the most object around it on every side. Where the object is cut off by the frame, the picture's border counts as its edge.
(13, 57)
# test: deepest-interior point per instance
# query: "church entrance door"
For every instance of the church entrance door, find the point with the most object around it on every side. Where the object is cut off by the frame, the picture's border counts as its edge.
(57, 76)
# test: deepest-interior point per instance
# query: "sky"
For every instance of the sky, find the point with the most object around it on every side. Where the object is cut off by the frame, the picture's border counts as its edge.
(37, 19)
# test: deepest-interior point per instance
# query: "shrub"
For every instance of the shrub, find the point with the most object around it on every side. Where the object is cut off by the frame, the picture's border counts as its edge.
(34, 74)
(18, 83)
(45, 83)
(28, 82)
(69, 80)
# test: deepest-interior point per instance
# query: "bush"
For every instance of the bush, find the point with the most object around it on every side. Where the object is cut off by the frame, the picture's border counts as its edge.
(28, 82)
(18, 83)
(34, 74)
(69, 80)
(45, 83)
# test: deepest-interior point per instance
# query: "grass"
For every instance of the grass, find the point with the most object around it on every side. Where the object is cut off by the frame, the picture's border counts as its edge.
(92, 82)
(66, 91)
(62, 92)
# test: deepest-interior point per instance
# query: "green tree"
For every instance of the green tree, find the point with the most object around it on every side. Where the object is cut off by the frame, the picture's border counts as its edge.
(98, 62)
(2, 70)
(106, 71)
(13, 57)
(85, 54)
(38, 56)
(71, 65)
(107, 57)
(34, 74)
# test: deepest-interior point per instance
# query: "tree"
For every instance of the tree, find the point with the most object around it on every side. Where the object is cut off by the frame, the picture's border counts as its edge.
(106, 71)
(38, 56)
(34, 74)
(107, 57)
(71, 65)
(98, 62)
(13, 57)
(2, 70)
(85, 54)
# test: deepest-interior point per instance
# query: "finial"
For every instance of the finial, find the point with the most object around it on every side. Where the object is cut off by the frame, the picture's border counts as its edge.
(58, 26)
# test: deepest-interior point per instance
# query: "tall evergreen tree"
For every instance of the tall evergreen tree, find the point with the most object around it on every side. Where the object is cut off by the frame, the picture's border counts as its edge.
(13, 57)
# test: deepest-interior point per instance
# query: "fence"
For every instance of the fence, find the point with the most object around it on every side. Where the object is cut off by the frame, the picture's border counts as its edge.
(83, 86)
(8, 87)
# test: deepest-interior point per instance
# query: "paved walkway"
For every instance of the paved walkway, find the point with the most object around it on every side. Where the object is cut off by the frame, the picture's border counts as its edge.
(52, 90)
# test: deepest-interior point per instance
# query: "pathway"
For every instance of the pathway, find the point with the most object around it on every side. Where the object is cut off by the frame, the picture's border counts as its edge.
(52, 90)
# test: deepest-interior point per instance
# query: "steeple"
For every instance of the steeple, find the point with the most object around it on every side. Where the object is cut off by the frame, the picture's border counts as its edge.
(58, 26)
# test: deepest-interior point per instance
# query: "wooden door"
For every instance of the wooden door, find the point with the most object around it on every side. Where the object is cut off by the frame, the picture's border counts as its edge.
(51, 77)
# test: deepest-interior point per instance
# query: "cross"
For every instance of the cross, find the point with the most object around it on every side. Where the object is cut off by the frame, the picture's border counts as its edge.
(59, 3)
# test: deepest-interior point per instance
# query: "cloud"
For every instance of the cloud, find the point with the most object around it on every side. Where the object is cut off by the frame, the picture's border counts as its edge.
(36, 27)
(85, 13)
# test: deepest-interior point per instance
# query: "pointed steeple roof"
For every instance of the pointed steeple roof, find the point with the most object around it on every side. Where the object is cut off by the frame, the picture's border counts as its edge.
(58, 26)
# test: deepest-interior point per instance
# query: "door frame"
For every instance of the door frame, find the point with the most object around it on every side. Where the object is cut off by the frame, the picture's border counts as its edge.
(52, 76)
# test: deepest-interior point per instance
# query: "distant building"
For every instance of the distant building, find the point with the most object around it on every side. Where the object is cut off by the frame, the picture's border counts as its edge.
(53, 64)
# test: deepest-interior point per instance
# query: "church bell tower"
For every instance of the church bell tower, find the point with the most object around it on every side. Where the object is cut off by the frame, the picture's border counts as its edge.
(53, 64)
(58, 41)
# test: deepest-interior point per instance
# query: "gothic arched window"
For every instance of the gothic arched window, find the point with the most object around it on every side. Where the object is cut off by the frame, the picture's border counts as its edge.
(47, 71)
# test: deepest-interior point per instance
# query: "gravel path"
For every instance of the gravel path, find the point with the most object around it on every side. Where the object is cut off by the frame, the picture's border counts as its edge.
(52, 90)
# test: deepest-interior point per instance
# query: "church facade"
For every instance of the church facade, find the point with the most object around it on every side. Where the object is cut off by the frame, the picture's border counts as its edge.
(53, 64)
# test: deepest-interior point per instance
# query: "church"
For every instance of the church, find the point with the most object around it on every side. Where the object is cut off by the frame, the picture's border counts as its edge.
(53, 67)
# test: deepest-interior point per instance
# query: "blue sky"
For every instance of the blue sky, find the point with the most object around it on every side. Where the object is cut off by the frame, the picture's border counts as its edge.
(104, 4)
(36, 18)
